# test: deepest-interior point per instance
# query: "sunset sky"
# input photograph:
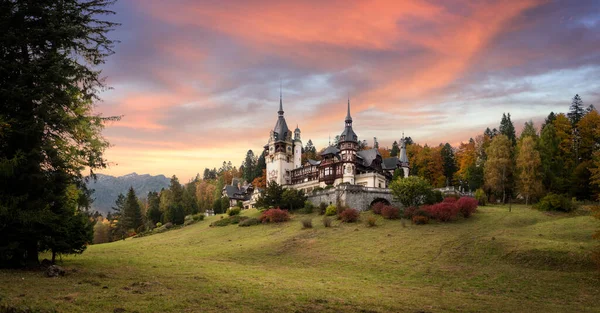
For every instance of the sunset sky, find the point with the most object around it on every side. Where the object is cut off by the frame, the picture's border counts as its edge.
(197, 82)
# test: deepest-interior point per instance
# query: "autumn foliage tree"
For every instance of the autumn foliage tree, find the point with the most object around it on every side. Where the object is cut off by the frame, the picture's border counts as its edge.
(529, 168)
(499, 165)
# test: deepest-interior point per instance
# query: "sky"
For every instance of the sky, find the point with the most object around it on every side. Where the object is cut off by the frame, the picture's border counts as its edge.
(198, 82)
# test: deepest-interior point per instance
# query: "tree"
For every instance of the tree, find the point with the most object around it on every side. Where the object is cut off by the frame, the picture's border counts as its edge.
(249, 164)
(395, 149)
(529, 167)
(529, 131)
(508, 129)
(271, 196)
(554, 173)
(498, 166)
(49, 81)
(260, 181)
(176, 191)
(292, 199)
(398, 173)
(131, 217)
(449, 162)
(410, 191)
(154, 214)
(190, 202)
(576, 110)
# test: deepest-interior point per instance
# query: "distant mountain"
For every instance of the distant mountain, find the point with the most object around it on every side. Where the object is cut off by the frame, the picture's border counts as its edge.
(107, 188)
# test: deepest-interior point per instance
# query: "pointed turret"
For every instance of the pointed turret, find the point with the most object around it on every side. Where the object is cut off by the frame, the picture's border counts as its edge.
(348, 134)
(281, 129)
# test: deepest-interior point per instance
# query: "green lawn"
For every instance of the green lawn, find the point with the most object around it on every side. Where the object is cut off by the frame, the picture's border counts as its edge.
(495, 261)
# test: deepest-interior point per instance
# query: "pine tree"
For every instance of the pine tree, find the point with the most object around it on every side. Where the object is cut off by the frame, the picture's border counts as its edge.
(249, 164)
(154, 214)
(48, 58)
(261, 165)
(131, 217)
(576, 110)
(508, 129)
(449, 162)
(176, 190)
(395, 149)
(549, 119)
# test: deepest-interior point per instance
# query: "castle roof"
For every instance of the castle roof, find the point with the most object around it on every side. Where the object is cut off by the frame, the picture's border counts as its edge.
(331, 150)
(281, 129)
(368, 156)
(348, 134)
(390, 163)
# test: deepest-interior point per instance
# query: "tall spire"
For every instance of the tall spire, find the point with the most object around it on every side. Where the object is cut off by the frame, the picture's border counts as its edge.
(348, 117)
(280, 112)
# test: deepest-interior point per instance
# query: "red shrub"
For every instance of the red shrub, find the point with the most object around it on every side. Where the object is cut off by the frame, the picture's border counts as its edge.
(274, 216)
(349, 215)
(377, 207)
(467, 206)
(390, 212)
(449, 200)
(443, 211)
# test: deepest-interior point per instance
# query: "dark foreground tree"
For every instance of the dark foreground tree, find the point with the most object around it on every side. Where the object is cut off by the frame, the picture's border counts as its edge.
(49, 54)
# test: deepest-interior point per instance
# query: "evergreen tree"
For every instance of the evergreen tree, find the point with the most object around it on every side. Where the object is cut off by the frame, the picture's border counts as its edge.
(449, 162)
(48, 59)
(250, 163)
(154, 214)
(176, 191)
(206, 175)
(590, 108)
(508, 129)
(576, 110)
(261, 165)
(529, 131)
(549, 119)
(131, 217)
(271, 196)
(395, 149)
(190, 202)
(118, 207)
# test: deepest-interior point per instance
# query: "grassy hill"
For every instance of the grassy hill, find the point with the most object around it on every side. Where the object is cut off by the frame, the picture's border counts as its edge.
(496, 261)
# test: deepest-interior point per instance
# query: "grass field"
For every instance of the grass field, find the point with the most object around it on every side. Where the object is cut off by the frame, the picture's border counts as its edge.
(496, 261)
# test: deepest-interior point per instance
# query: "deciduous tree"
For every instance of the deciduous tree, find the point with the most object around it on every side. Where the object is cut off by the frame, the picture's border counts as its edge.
(529, 168)
(498, 166)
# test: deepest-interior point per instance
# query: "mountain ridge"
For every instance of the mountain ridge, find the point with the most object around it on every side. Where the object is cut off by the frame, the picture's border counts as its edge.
(107, 188)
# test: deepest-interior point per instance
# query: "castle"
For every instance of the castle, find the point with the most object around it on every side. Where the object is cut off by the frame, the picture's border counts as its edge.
(343, 163)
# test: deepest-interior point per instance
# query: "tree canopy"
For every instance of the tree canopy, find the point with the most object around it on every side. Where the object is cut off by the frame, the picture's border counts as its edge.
(48, 83)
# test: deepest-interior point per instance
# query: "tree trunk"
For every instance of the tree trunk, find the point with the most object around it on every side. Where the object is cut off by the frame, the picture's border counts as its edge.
(53, 257)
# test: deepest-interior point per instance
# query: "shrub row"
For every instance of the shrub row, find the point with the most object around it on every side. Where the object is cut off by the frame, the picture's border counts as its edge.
(555, 202)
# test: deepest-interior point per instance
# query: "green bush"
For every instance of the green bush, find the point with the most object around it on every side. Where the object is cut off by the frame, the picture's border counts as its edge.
(411, 191)
(234, 211)
(555, 202)
(481, 197)
(221, 222)
(434, 196)
(249, 222)
(331, 210)
(159, 224)
(237, 219)
(198, 217)
(308, 207)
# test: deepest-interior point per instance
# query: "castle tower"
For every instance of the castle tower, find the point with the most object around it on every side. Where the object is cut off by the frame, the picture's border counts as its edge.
(279, 154)
(403, 158)
(297, 148)
(348, 147)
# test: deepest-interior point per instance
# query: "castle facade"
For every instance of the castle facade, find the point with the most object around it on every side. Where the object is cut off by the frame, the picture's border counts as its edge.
(342, 163)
